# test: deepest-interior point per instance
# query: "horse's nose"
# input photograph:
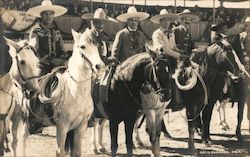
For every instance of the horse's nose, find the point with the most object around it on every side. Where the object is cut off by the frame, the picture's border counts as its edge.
(98, 66)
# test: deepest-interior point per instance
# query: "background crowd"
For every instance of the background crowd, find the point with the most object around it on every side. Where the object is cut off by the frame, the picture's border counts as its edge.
(78, 8)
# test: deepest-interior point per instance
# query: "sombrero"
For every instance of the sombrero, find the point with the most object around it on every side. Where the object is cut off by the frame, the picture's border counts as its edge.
(132, 12)
(192, 17)
(164, 14)
(99, 15)
(247, 20)
(218, 26)
(47, 5)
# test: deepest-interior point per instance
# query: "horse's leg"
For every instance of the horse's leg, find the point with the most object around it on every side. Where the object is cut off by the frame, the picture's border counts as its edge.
(164, 129)
(158, 123)
(61, 133)
(129, 127)
(248, 114)
(240, 118)
(113, 127)
(94, 135)
(19, 133)
(218, 109)
(100, 132)
(136, 129)
(2, 137)
(191, 112)
(223, 116)
(78, 136)
(206, 118)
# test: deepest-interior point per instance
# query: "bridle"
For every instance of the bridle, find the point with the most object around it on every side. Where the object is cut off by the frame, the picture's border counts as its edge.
(150, 73)
(24, 79)
(90, 64)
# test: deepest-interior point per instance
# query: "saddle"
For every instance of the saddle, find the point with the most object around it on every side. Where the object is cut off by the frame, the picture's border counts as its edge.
(101, 88)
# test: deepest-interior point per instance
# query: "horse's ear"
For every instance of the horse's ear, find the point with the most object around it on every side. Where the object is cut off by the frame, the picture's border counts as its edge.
(13, 45)
(32, 42)
(76, 35)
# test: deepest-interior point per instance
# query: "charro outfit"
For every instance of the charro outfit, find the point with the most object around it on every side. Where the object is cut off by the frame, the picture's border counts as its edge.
(129, 42)
(49, 45)
(50, 52)
(100, 90)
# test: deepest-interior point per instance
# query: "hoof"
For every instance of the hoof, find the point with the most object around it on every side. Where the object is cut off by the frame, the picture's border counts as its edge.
(96, 152)
(7, 150)
(168, 136)
(207, 142)
(194, 153)
(103, 150)
(240, 139)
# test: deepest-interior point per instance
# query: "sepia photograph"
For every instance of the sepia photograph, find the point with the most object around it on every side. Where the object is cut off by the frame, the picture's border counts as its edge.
(124, 78)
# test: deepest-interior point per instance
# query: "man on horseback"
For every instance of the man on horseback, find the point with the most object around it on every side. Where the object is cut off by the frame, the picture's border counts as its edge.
(100, 89)
(130, 40)
(183, 37)
(49, 49)
(49, 46)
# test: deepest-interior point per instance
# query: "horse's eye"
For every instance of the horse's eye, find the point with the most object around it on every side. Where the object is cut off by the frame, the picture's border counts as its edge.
(82, 47)
(22, 62)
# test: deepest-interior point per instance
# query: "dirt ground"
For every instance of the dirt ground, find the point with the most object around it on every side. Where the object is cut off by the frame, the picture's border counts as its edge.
(225, 144)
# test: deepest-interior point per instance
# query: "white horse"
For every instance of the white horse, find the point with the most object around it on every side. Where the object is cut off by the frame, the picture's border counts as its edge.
(23, 76)
(71, 99)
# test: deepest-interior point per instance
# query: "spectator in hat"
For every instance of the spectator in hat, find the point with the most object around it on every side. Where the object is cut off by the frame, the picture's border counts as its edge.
(130, 40)
(49, 39)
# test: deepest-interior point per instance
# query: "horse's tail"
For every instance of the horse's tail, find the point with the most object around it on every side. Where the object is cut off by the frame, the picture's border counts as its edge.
(69, 144)
(51, 85)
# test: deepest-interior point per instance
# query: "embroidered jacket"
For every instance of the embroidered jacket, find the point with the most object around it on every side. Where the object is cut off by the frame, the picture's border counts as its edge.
(49, 41)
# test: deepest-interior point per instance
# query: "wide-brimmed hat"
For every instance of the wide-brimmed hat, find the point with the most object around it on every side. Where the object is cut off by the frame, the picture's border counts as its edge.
(132, 12)
(99, 15)
(187, 14)
(164, 14)
(247, 20)
(47, 5)
(219, 25)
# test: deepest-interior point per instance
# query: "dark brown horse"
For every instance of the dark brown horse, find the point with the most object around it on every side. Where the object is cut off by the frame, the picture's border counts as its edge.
(213, 66)
(124, 98)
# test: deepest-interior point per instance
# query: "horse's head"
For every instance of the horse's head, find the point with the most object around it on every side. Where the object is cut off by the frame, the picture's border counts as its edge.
(226, 59)
(157, 73)
(85, 51)
(24, 67)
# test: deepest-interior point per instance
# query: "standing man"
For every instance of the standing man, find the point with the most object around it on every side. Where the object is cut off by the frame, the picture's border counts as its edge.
(49, 50)
(49, 39)
(129, 41)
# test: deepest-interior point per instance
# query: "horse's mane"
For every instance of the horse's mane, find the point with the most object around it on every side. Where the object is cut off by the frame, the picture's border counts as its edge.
(126, 69)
